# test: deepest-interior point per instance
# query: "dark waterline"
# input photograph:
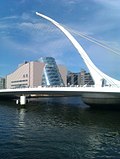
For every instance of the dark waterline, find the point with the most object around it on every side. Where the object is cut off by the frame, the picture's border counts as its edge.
(58, 128)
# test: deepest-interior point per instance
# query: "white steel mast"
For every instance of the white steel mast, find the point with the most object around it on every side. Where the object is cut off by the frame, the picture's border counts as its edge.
(100, 78)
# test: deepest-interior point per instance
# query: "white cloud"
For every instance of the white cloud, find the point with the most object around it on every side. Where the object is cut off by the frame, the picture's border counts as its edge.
(9, 17)
(110, 9)
(3, 26)
(48, 41)
(109, 3)
(70, 1)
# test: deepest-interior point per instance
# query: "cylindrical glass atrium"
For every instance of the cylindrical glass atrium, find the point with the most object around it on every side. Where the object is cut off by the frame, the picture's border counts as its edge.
(51, 75)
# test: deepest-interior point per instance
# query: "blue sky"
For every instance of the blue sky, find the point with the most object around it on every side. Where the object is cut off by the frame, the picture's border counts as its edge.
(26, 37)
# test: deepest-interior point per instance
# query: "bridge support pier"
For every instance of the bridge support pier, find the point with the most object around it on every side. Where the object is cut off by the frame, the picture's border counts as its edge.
(22, 100)
(17, 101)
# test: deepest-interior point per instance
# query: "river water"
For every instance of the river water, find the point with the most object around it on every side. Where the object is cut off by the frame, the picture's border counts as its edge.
(58, 128)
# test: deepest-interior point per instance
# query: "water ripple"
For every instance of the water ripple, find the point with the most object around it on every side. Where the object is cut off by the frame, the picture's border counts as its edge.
(59, 131)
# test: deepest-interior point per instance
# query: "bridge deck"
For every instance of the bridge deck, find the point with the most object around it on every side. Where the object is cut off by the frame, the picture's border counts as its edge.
(90, 95)
(74, 91)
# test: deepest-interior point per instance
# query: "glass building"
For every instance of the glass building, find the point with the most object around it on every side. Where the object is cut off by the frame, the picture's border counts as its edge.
(51, 75)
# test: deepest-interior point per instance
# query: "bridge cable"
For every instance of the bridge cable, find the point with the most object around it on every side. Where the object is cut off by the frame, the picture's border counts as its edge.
(91, 39)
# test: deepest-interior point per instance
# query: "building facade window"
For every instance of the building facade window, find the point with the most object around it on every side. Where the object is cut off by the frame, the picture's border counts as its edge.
(19, 84)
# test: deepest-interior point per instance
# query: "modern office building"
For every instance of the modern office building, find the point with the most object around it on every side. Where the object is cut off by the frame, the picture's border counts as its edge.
(2, 83)
(28, 74)
(85, 78)
(73, 79)
(43, 72)
(82, 78)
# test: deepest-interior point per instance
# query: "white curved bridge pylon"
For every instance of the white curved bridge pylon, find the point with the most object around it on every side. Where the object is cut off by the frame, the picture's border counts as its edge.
(100, 78)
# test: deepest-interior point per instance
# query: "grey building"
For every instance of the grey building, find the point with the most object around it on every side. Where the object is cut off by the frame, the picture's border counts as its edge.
(2, 83)
(82, 78)
(73, 79)
(85, 78)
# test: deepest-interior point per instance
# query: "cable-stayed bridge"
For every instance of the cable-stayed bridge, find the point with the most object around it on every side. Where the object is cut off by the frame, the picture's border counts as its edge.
(105, 91)
(90, 95)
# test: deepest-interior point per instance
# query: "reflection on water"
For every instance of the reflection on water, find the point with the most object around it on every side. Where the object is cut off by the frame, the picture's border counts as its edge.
(58, 128)
(21, 114)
